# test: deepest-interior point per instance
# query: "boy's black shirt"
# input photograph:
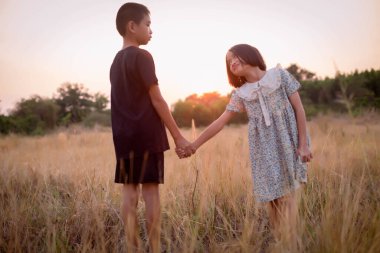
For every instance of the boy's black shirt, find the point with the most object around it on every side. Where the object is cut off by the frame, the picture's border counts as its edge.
(136, 126)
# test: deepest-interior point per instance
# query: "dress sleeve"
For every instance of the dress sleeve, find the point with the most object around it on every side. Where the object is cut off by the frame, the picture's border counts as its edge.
(236, 103)
(146, 69)
(290, 83)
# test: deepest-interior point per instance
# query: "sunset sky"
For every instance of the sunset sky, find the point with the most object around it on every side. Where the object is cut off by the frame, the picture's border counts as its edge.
(44, 43)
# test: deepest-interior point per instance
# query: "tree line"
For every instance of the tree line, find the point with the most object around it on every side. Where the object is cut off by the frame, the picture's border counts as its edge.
(351, 93)
(345, 93)
(72, 104)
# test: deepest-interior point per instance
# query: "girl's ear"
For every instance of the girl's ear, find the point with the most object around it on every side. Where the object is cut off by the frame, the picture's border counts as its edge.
(131, 26)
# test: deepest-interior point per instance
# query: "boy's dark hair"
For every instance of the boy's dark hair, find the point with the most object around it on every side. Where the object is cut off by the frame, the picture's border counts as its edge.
(246, 54)
(130, 12)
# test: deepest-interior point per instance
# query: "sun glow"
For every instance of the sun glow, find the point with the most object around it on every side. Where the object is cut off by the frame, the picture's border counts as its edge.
(75, 42)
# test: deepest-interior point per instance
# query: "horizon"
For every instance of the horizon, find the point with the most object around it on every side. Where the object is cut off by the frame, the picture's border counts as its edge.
(92, 92)
(66, 42)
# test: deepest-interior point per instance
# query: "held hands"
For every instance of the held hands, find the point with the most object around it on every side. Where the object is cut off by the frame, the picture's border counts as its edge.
(304, 154)
(183, 148)
(185, 151)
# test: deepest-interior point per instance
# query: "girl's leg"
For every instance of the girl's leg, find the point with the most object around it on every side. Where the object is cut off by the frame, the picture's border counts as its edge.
(283, 216)
(273, 213)
(151, 197)
(130, 196)
(274, 217)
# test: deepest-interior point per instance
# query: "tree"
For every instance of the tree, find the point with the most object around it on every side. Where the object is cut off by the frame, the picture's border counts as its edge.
(299, 73)
(183, 113)
(34, 115)
(74, 101)
(202, 115)
(372, 81)
(100, 102)
(5, 124)
(203, 109)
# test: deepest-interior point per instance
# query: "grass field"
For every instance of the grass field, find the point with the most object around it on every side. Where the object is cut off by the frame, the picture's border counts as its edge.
(57, 193)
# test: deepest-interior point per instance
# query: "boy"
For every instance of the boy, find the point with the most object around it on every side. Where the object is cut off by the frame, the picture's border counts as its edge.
(138, 112)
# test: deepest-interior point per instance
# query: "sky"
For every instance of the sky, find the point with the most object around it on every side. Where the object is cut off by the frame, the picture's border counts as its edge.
(45, 43)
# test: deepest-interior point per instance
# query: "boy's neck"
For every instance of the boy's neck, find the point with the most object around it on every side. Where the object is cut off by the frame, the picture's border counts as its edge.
(127, 42)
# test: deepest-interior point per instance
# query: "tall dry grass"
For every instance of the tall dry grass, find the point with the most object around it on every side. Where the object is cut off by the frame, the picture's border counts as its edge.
(57, 194)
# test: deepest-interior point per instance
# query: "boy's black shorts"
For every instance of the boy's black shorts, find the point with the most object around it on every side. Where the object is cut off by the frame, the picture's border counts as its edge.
(142, 169)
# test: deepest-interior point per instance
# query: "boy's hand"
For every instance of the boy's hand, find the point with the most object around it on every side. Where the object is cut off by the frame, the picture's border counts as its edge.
(181, 144)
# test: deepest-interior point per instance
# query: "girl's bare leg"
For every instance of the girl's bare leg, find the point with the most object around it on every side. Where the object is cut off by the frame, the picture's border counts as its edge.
(274, 217)
(283, 217)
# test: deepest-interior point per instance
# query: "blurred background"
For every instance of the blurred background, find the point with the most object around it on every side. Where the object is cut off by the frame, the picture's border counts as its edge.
(55, 56)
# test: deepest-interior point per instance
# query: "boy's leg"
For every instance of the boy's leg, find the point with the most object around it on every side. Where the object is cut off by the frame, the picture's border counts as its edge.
(151, 197)
(130, 197)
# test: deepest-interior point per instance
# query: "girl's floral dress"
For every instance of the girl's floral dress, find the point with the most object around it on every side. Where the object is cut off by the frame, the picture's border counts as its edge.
(272, 133)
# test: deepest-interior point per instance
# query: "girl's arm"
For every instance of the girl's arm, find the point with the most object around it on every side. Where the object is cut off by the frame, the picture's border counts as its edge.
(303, 149)
(212, 129)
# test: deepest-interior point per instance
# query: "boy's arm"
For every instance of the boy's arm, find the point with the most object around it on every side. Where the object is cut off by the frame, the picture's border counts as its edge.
(302, 150)
(212, 130)
(163, 111)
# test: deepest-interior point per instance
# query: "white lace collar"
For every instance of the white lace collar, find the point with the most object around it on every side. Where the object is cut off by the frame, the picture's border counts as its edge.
(270, 82)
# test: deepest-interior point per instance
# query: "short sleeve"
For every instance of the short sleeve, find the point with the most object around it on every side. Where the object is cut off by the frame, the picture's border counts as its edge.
(146, 69)
(290, 83)
(236, 103)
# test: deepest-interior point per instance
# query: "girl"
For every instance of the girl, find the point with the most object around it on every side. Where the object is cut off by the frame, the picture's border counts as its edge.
(277, 129)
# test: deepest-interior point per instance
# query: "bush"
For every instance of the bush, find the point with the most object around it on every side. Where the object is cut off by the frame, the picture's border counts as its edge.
(5, 124)
(98, 118)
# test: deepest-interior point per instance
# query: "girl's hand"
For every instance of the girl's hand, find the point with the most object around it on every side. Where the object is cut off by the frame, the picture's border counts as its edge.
(304, 153)
(190, 149)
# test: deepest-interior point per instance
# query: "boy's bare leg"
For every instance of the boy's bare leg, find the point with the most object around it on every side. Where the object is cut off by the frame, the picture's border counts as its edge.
(151, 197)
(130, 197)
